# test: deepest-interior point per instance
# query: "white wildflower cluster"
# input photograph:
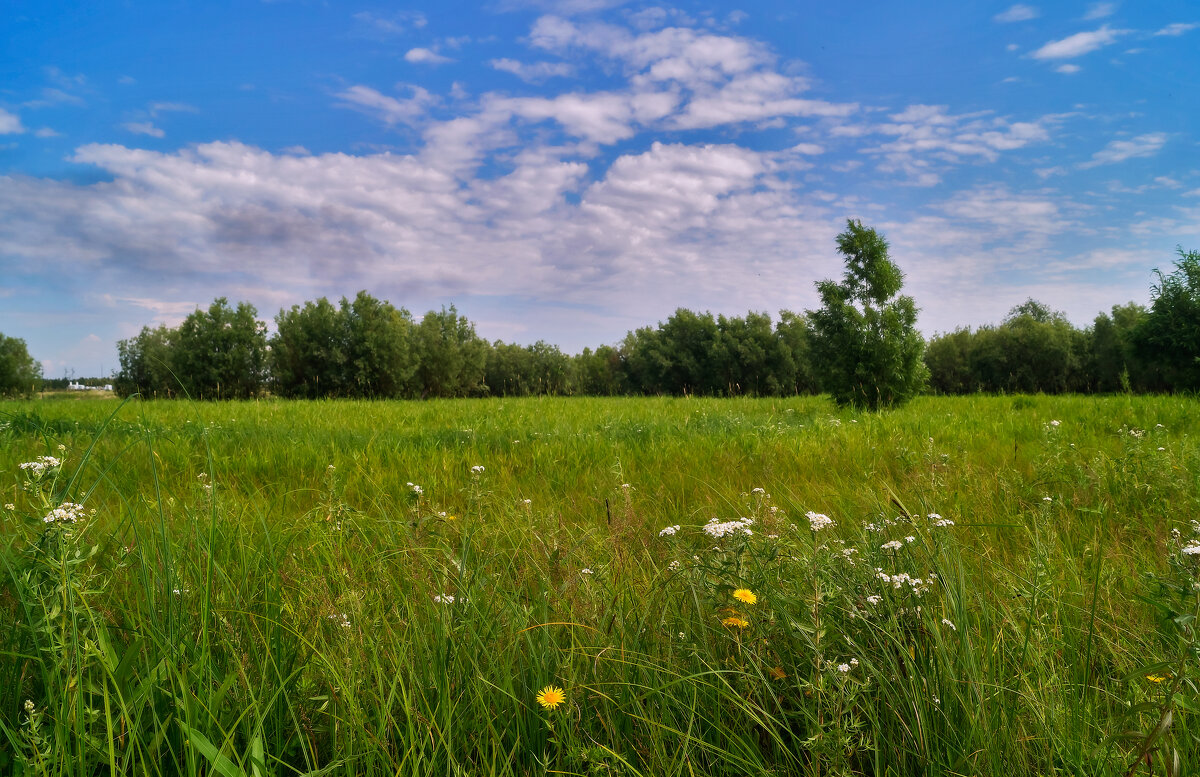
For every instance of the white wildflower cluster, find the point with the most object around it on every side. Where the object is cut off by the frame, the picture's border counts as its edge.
(586, 571)
(340, 619)
(674, 566)
(939, 521)
(669, 531)
(818, 521)
(716, 528)
(950, 623)
(845, 667)
(881, 526)
(10, 506)
(626, 486)
(527, 502)
(67, 512)
(444, 598)
(1053, 425)
(874, 599)
(477, 469)
(417, 490)
(761, 491)
(917, 585)
(40, 465)
(1192, 550)
(892, 545)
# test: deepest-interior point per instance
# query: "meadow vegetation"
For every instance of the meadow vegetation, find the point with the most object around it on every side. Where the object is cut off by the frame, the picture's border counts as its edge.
(651, 586)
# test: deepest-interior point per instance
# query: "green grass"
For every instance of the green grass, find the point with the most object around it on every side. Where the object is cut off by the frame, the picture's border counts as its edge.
(258, 589)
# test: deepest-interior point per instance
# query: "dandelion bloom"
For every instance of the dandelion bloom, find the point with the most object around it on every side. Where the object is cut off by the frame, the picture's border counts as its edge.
(1155, 678)
(745, 595)
(550, 697)
(734, 621)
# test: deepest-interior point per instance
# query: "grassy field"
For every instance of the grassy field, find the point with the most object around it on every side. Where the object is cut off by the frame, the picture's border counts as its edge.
(966, 586)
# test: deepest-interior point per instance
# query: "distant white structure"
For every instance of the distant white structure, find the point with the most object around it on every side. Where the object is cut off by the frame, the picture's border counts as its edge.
(81, 387)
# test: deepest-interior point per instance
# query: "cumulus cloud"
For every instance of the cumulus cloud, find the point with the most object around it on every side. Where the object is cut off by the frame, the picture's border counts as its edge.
(1177, 29)
(143, 128)
(533, 72)
(10, 123)
(390, 110)
(1078, 44)
(1017, 13)
(926, 138)
(1120, 150)
(423, 56)
(1068, 69)
(1100, 11)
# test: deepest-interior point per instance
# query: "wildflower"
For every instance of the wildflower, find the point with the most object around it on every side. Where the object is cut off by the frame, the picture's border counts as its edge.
(550, 697)
(626, 486)
(1055, 423)
(340, 619)
(1047, 499)
(477, 470)
(874, 599)
(909, 538)
(758, 491)
(940, 521)
(843, 668)
(893, 545)
(443, 598)
(527, 502)
(715, 528)
(950, 623)
(67, 512)
(417, 490)
(10, 506)
(330, 468)
(669, 531)
(586, 571)
(40, 465)
(735, 622)
(745, 595)
(673, 566)
(1192, 550)
(1155, 678)
(817, 521)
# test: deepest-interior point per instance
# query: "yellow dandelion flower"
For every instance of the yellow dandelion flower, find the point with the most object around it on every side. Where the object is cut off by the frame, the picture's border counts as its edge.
(550, 697)
(735, 622)
(451, 517)
(745, 595)
(1155, 678)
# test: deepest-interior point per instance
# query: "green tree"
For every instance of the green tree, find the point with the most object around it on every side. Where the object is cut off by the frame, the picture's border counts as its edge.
(309, 351)
(221, 353)
(864, 336)
(1170, 334)
(18, 370)
(948, 357)
(1113, 363)
(146, 364)
(451, 358)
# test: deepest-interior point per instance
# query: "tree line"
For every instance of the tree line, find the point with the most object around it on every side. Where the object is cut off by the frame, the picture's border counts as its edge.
(860, 345)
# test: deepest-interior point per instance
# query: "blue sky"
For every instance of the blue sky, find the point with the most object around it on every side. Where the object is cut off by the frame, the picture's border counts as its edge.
(571, 170)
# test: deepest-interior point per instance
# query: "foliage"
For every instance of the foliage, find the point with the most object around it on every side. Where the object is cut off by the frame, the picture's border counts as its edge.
(962, 586)
(1170, 333)
(363, 348)
(146, 364)
(864, 337)
(221, 352)
(19, 373)
(451, 358)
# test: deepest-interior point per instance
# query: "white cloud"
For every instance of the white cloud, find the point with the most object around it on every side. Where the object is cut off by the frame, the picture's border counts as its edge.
(1017, 13)
(1177, 29)
(1120, 150)
(143, 128)
(1100, 11)
(1078, 44)
(390, 110)
(927, 139)
(1068, 69)
(10, 123)
(423, 56)
(533, 72)
(47, 132)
